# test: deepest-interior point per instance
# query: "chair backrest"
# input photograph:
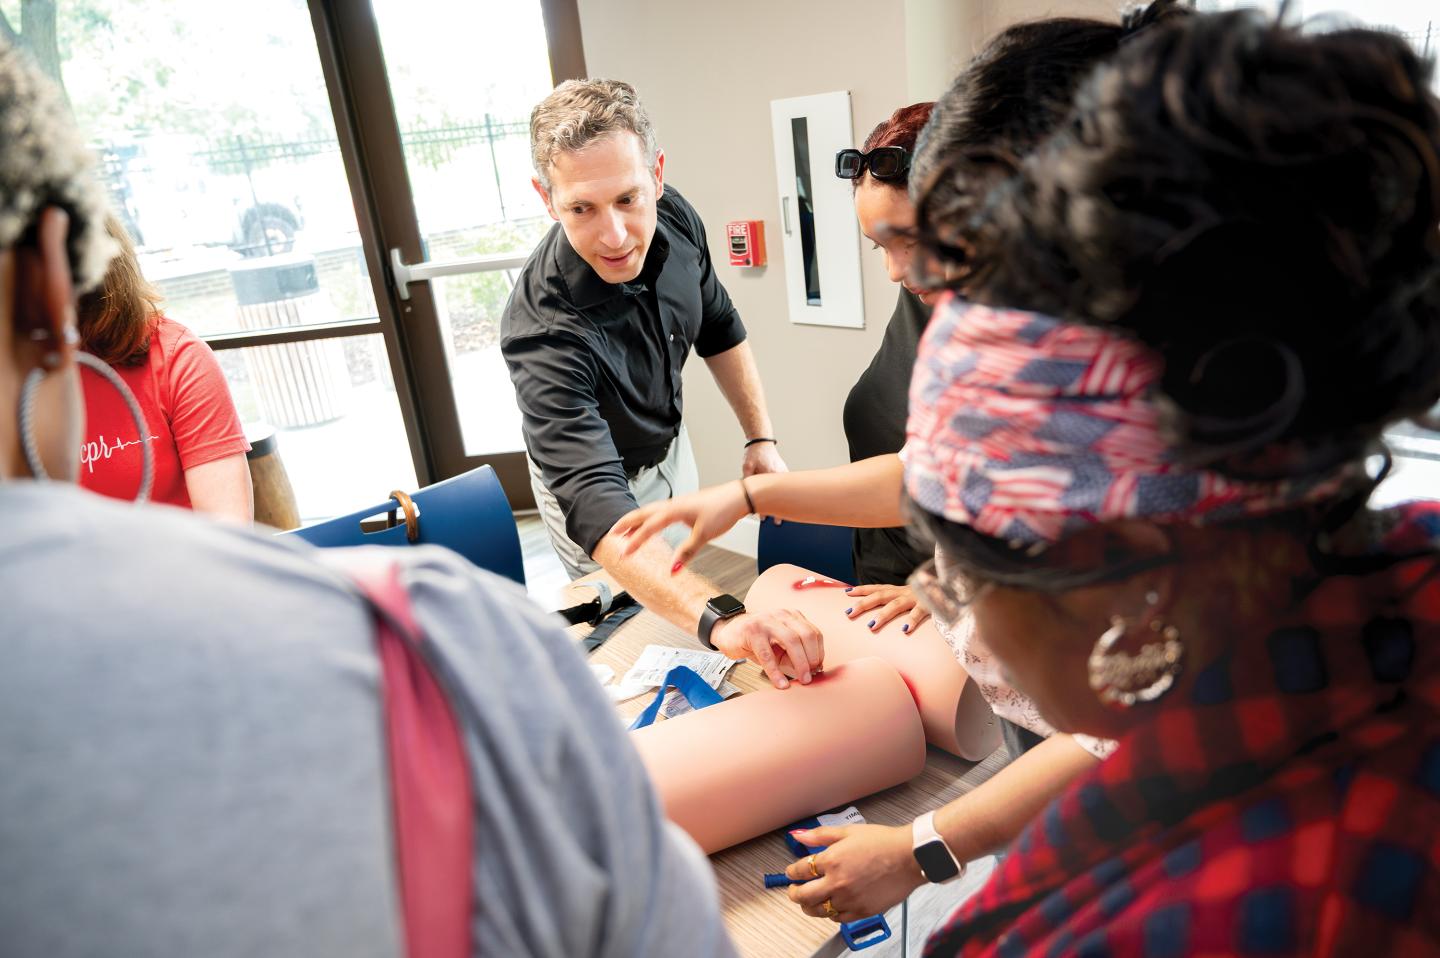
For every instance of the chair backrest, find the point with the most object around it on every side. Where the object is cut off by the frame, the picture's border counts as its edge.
(467, 513)
(822, 549)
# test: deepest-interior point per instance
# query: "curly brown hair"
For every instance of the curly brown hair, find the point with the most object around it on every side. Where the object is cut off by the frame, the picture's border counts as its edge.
(1021, 85)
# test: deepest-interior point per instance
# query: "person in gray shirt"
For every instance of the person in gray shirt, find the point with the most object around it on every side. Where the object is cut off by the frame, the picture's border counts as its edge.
(192, 752)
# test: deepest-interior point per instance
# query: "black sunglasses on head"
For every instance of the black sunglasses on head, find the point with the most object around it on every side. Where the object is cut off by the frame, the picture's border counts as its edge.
(885, 163)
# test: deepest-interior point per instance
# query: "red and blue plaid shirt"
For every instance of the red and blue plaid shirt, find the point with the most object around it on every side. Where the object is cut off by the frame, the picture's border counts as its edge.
(1289, 806)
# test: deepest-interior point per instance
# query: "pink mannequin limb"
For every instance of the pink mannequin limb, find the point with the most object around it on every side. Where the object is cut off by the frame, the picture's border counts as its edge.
(952, 710)
(761, 761)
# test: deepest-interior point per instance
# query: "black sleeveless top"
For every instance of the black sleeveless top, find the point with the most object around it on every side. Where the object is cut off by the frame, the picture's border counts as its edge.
(875, 414)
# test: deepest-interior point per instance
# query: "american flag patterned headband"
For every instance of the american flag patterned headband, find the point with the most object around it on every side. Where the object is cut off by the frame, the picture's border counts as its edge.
(1027, 428)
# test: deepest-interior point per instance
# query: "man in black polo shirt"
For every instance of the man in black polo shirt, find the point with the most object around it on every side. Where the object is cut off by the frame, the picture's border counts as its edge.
(595, 334)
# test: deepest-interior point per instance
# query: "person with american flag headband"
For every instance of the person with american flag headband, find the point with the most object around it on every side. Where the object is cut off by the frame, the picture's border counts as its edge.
(1145, 440)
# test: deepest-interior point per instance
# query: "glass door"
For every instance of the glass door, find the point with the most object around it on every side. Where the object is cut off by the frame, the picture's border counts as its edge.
(219, 151)
(440, 95)
(463, 96)
(266, 171)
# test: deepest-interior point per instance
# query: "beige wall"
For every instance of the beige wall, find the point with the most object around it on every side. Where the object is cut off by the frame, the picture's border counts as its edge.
(707, 71)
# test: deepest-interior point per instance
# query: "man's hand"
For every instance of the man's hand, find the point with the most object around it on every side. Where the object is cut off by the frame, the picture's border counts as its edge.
(784, 643)
(876, 605)
(762, 457)
(864, 870)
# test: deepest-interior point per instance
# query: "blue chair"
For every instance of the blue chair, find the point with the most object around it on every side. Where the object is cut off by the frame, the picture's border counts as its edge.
(822, 549)
(467, 513)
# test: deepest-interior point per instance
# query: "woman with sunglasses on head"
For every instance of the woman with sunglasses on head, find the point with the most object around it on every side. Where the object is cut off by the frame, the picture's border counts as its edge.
(875, 409)
(1013, 93)
(1141, 442)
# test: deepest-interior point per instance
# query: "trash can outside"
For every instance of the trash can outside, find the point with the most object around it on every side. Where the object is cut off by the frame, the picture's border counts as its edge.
(297, 384)
(274, 497)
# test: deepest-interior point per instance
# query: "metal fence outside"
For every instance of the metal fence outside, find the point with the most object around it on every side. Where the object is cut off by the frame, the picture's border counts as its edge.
(229, 187)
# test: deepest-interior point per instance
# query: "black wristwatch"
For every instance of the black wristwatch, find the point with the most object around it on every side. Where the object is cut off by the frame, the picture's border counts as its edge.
(720, 607)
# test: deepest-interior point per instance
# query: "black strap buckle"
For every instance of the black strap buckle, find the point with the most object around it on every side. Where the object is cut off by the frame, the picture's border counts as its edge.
(606, 612)
(604, 603)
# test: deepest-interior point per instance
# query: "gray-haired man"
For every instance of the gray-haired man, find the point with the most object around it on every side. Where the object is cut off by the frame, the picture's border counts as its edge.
(596, 332)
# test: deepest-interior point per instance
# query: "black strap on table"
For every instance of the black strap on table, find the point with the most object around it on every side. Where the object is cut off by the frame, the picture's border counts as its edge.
(606, 612)
(597, 608)
(613, 621)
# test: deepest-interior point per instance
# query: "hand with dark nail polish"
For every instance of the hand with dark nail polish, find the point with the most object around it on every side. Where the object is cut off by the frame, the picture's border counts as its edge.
(880, 605)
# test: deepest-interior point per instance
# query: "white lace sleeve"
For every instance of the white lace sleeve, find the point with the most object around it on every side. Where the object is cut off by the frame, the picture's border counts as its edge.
(977, 659)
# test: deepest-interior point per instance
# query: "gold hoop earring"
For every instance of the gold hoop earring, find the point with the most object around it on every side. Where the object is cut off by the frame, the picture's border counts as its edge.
(1114, 676)
(31, 446)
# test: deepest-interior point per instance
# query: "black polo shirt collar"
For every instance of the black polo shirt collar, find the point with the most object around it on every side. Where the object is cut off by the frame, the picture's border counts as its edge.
(585, 286)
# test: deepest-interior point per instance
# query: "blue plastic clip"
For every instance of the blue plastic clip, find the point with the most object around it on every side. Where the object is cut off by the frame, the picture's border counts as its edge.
(865, 932)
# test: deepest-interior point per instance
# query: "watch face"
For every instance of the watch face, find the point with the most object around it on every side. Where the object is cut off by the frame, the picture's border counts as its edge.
(726, 605)
(936, 862)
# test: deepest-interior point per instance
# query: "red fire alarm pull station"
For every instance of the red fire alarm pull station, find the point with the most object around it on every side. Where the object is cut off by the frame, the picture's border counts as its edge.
(747, 242)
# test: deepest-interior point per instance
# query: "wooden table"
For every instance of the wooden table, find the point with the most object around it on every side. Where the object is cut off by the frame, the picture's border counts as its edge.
(765, 923)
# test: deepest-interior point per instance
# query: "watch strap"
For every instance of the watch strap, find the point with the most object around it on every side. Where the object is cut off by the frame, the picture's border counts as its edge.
(928, 845)
(709, 616)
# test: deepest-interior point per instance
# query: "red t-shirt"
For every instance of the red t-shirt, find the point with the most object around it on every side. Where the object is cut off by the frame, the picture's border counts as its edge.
(187, 406)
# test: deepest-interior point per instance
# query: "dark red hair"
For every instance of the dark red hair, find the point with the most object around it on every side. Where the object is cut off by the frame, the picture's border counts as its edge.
(901, 129)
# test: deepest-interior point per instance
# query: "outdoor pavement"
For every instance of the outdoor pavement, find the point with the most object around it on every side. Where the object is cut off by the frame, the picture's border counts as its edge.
(356, 460)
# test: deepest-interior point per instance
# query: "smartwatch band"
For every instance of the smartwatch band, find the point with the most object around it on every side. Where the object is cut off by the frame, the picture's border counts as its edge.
(937, 862)
(713, 614)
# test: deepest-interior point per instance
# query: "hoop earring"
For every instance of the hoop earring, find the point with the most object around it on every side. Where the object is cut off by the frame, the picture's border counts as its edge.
(27, 421)
(1114, 675)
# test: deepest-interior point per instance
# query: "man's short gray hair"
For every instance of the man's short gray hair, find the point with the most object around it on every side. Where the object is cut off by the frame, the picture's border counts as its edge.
(44, 162)
(578, 112)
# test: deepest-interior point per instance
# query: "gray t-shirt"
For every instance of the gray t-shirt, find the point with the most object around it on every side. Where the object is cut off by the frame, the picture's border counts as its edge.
(192, 754)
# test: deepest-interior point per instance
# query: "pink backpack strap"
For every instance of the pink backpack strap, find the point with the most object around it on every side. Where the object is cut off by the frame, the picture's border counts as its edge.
(429, 773)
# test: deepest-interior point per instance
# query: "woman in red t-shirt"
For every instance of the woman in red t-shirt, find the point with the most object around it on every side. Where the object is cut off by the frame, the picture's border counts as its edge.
(194, 430)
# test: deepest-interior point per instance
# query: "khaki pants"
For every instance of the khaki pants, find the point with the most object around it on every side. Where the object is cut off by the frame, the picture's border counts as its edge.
(674, 476)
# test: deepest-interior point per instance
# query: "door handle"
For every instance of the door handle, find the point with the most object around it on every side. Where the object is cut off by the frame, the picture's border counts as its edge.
(405, 274)
(785, 212)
